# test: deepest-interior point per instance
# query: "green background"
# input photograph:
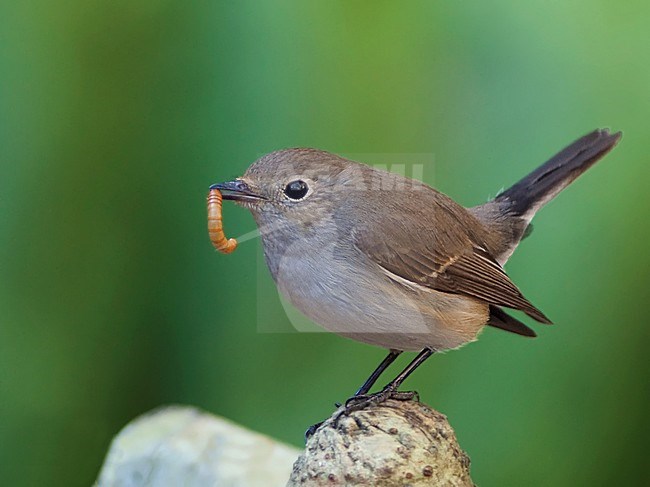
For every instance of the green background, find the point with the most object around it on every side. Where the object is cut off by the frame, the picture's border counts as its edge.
(115, 116)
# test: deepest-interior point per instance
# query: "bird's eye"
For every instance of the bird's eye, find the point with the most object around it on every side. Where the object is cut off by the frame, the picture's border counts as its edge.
(296, 190)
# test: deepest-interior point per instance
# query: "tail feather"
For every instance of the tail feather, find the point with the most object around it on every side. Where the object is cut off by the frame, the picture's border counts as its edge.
(528, 195)
(509, 214)
(501, 319)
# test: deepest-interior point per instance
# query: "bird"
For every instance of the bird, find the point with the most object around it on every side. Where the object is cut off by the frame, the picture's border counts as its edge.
(392, 262)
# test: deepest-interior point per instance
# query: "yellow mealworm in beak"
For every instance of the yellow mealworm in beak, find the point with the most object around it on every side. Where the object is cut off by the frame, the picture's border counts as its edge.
(215, 224)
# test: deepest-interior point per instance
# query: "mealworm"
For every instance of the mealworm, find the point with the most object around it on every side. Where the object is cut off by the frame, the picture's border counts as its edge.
(215, 224)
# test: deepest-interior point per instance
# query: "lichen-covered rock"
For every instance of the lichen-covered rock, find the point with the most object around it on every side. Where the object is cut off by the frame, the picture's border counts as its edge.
(393, 443)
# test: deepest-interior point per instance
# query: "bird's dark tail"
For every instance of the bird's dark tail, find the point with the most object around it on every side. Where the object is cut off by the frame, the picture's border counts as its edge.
(527, 196)
(510, 213)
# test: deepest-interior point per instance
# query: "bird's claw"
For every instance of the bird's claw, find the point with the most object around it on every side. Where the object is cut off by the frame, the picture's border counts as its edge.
(362, 401)
(356, 403)
(312, 429)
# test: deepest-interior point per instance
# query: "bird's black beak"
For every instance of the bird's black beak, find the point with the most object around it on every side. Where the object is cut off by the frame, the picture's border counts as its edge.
(237, 190)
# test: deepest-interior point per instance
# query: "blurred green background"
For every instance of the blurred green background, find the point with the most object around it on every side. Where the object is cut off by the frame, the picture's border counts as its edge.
(115, 116)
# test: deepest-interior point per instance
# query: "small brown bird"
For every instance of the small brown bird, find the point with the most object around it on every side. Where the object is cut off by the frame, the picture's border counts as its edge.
(389, 261)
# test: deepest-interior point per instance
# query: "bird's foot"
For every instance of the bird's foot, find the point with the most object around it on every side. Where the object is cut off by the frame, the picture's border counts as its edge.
(356, 403)
(362, 401)
(312, 429)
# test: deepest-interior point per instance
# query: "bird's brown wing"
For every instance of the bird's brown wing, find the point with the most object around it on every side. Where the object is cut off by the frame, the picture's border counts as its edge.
(436, 250)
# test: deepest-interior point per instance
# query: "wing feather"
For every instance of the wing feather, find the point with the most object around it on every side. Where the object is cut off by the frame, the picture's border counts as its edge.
(439, 252)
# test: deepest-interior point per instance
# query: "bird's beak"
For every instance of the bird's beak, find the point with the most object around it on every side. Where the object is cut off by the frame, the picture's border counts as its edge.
(237, 190)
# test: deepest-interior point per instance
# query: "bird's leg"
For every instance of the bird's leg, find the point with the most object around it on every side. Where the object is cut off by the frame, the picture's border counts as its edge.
(390, 391)
(358, 402)
(393, 385)
(390, 358)
(363, 390)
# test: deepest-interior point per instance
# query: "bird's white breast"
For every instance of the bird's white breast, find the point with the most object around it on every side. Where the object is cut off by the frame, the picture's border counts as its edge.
(360, 301)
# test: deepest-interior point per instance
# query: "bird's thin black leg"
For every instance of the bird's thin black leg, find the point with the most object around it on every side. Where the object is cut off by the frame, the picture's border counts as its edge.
(390, 358)
(362, 400)
(390, 391)
(417, 361)
(363, 390)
